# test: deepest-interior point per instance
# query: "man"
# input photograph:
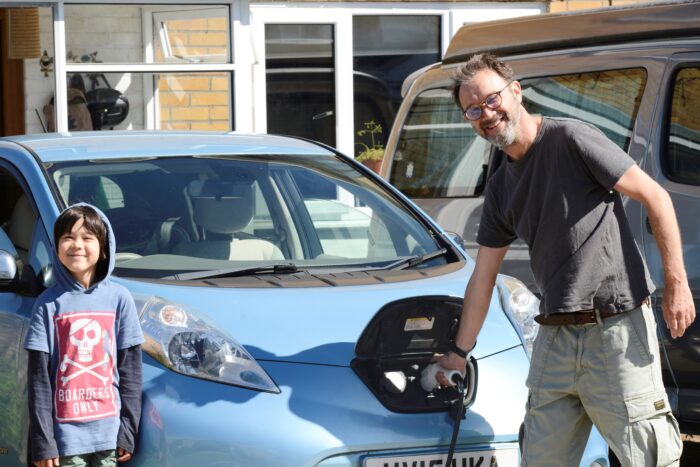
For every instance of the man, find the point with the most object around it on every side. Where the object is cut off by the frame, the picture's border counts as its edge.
(595, 359)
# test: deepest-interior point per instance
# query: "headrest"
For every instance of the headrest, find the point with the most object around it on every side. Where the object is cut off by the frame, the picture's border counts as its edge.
(222, 207)
(22, 223)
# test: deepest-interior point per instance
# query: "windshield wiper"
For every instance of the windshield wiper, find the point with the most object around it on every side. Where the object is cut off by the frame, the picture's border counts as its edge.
(415, 260)
(284, 268)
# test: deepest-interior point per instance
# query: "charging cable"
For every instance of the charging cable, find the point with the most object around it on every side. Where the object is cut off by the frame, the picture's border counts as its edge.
(456, 410)
(457, 413)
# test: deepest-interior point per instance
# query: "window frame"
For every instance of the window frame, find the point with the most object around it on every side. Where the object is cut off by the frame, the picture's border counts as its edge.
(666, 124)
(238, 18)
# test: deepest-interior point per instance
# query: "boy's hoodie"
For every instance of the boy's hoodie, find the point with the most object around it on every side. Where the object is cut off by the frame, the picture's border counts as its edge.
(87, 339)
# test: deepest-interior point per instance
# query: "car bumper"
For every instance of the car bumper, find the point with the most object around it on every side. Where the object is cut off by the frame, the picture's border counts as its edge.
(324, 416)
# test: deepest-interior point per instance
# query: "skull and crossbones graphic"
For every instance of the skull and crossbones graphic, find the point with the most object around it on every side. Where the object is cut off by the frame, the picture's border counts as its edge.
(85, 334)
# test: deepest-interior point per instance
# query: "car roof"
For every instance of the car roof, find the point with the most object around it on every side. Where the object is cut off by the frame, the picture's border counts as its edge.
(103, 145)
(551, 31)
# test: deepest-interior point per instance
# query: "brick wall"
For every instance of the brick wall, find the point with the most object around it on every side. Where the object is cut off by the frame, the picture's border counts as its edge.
(196, 101)
(557, 6)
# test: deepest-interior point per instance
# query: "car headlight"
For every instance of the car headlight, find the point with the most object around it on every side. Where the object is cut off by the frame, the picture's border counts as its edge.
(184, 341)
(521, 306)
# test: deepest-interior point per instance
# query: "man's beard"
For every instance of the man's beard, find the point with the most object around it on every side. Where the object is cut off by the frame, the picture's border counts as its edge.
(509, 133)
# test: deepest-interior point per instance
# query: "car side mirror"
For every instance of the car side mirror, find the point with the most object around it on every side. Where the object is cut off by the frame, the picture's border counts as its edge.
(457, 238)
(8, 260)
(15, 276)
(8, 267)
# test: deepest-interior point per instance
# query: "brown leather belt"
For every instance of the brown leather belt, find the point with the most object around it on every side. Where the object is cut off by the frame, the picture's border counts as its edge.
(579, 317)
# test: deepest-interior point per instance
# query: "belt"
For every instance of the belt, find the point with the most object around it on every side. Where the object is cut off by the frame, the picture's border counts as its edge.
(580, 317)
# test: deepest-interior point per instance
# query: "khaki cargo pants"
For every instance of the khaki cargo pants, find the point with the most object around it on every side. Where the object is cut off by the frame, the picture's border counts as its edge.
(608, 374)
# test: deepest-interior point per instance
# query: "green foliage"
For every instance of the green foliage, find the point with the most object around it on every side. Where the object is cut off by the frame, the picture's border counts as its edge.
(374, 151)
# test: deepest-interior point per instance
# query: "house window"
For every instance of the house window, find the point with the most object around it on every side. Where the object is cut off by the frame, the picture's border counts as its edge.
(300, 78)
(149, 67)
(200, 36)
(386, 49)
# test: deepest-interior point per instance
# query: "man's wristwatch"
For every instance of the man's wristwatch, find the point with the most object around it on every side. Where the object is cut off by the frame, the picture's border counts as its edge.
(462, 353)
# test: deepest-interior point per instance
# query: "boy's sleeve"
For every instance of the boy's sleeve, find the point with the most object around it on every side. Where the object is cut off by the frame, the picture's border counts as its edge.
(130, 374)
(38, 332)
(129, 332)
(42, 442)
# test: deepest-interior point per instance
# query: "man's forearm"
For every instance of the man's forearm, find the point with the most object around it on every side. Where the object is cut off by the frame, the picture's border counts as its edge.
(664, 226)
(478, 295)
(476, 304)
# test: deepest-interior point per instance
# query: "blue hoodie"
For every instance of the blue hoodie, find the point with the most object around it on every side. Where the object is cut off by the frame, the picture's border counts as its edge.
(82, 331)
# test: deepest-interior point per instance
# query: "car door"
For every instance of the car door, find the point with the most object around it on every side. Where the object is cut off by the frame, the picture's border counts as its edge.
(674, 161)
(30, 245)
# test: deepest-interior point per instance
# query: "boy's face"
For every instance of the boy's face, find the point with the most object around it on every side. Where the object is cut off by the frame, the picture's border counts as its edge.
(79, 251)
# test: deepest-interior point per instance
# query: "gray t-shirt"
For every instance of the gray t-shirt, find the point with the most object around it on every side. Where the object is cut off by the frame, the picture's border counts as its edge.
(559, 199)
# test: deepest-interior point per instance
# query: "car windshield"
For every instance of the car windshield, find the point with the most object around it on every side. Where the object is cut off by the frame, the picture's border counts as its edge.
(174, 215)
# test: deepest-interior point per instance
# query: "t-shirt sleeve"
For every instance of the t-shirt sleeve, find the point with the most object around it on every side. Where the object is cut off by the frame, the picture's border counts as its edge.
(39, 329)
(494, 229)
(605, 160)
(130, 333)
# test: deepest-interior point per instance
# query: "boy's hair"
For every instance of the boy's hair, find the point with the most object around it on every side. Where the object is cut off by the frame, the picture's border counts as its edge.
(484, 61)
(93, 223)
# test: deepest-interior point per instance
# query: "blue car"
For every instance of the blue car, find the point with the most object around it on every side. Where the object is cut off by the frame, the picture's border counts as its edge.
(290, 300)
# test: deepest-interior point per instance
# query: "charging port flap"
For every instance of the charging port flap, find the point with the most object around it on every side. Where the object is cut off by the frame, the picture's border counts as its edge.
(398, 344)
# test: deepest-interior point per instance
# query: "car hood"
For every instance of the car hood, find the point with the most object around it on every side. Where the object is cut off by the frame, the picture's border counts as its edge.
(318, 325)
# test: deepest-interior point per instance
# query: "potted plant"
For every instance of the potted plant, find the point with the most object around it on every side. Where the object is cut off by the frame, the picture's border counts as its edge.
(372, 154)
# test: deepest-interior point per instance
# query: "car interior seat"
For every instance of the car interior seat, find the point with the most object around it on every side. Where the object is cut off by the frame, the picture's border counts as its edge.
(222, 210)
(21, 227)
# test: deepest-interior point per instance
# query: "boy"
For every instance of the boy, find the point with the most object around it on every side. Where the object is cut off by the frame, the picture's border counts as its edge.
(84, 344)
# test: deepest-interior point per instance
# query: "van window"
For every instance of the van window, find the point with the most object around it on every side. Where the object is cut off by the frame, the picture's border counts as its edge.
(607, 99)
(438, 154)
(683, 151)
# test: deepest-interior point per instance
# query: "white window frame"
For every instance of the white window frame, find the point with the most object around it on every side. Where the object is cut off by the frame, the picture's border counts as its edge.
(340, 17)
(239, 39)
(248, 49)
(149, 19)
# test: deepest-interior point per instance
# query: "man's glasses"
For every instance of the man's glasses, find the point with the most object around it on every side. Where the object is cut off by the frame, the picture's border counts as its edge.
(492, 101)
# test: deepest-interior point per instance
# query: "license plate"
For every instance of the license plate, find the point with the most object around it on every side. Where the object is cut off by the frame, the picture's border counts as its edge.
(490, 458)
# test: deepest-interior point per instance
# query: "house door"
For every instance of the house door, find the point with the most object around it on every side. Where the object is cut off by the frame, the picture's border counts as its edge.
(11, 85)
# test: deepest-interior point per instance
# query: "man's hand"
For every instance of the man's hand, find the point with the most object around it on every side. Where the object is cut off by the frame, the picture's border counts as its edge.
(53, 462)
(123, 455)
(449, 361)
(678, 308)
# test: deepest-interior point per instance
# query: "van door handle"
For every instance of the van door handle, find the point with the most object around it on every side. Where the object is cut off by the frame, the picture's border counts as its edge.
(648, 225)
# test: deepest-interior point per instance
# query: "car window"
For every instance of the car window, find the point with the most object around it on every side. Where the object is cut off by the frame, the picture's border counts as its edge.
(607, 99)
(17, 217)
(439, 155)
(183, 214)
(347, 231)
(682, 162)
